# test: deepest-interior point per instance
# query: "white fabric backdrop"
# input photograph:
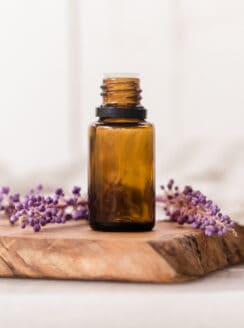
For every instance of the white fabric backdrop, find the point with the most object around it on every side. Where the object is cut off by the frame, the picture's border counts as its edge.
(190, 56)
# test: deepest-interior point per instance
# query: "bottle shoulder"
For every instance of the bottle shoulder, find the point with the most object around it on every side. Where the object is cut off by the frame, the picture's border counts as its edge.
(120, 124)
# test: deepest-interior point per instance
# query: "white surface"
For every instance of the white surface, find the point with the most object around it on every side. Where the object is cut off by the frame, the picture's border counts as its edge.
(215, 301)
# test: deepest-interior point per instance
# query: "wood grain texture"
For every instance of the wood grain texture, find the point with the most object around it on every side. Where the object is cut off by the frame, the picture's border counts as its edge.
(73, 251)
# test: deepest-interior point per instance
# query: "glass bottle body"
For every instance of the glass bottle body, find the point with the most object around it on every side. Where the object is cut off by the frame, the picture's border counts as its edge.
(121, 175)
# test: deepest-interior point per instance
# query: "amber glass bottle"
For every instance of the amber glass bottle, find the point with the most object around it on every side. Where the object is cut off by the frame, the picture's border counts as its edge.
(121, 167)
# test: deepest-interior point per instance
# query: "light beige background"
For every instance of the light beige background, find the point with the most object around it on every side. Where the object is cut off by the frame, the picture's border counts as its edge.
(53, 54)
(190, 55)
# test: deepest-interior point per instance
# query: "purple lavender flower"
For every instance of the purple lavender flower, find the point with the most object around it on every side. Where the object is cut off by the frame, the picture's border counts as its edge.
(59, 192)
(5, 190)
(191, 206)
(76, 190)
(37, 210)
(39, 188)
(37, 227)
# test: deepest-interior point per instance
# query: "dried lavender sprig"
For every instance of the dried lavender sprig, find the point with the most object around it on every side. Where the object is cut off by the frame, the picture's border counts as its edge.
(7, 201)
(36, 209)
(191, 206)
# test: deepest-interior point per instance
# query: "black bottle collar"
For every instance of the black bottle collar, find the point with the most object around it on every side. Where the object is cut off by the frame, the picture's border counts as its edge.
(115, 112)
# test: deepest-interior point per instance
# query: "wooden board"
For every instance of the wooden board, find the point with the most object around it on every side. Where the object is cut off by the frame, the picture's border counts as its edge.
(73, 251)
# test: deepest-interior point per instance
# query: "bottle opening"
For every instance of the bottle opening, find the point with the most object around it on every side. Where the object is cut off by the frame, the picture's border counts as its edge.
(121, 91)
(121, 94)
(120, 75)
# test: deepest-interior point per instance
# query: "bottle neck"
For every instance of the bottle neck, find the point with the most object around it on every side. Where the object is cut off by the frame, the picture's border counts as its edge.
(121, 92)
